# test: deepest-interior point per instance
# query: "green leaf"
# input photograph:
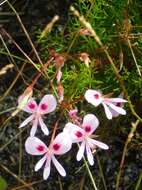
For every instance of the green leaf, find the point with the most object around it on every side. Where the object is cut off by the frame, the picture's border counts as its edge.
(3, 183)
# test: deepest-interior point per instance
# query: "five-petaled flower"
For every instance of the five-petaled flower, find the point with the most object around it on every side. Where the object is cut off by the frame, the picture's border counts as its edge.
(47, 104)
(84, 135)
(60, 145)
(111, 105)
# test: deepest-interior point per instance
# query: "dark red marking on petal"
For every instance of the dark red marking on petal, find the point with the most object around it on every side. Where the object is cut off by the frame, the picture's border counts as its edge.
(87, 128)
(43, 106)
(96, 96)
(56, 146)
(31, 105)
(40, 148)
(118, 104)
(78, 134)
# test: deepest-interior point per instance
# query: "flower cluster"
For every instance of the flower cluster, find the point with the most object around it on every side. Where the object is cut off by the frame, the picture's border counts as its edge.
(78, 130)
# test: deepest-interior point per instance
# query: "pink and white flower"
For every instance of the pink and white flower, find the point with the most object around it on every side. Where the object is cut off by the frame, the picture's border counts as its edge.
(60, 145)
(73, 113)
(110, 105)
(84, 134)
(47, 104)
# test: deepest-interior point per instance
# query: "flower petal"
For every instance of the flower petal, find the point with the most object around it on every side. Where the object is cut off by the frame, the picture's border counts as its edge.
(61, 144)
(76, 133)
(107, 111)
(31, 105)
(117, 109)
(40, 163)
(35, 146)
(47, 104)
(93, 97)
(43, 126)
(46, 171)
(114, 113)
(99, 144)
(81, 151)
(34, 127)
(121, 100)
(89, 155)
(59, 167)
(90, 123)
(26, 121)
